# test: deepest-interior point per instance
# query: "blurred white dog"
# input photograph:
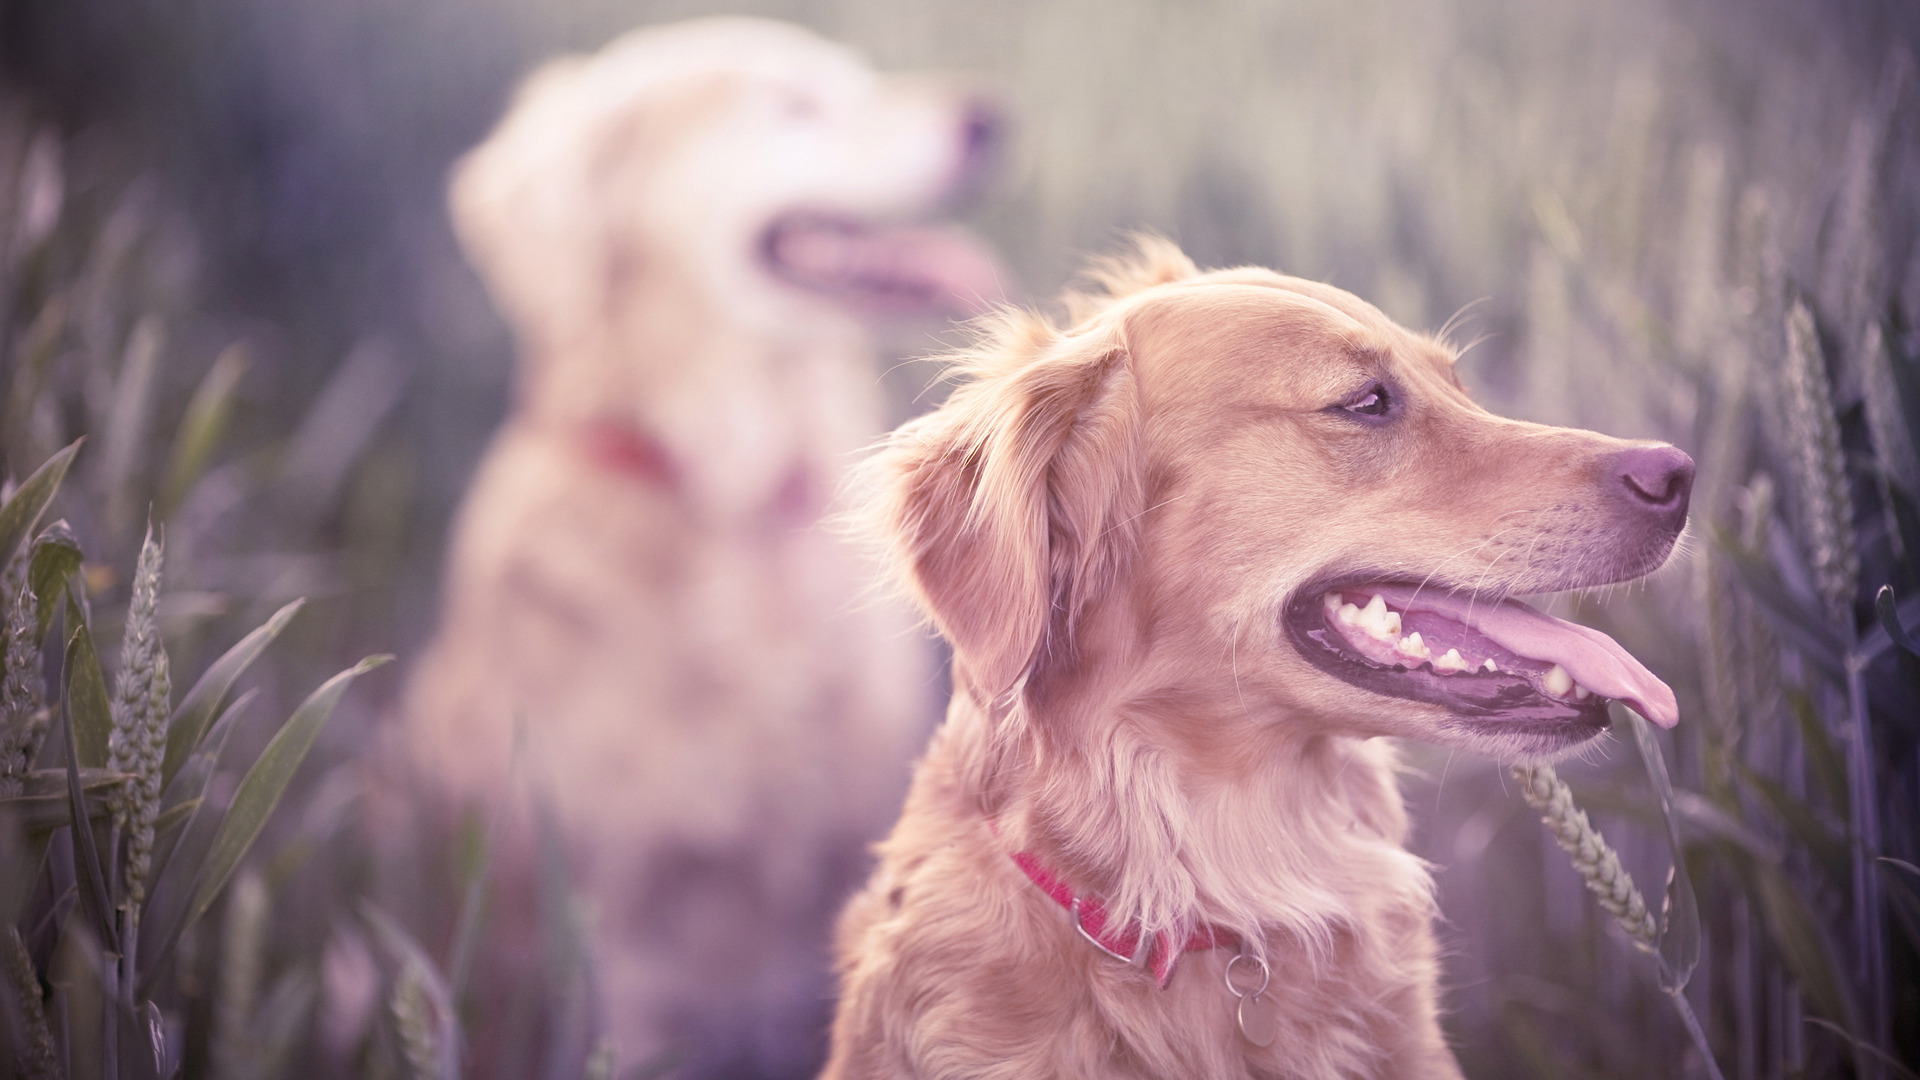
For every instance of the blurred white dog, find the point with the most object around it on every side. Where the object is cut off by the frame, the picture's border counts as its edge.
(691, 233)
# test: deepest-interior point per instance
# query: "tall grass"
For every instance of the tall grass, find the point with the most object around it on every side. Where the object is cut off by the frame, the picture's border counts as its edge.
(1686, 219)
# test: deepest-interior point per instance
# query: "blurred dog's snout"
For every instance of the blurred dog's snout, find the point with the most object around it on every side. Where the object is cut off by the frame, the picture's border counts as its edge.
(981, 129)
(1658, 480)
(982, 132)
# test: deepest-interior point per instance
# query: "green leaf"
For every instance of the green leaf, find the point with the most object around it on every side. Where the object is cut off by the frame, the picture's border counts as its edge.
(1889, 615)
(179, 854)
(260, 790)
(196, 711)
(1903, 889)
(1802, 945)
(56, 556)
(1802, 627)
(1861, 1046)
(88, 707)
(1680, 926)
(176, 815)
(52, 784)
(191, 780)
(201, 428)
(86, 855)
(1828, 848)
(1824, 760)
(18, 515)
(46, 804)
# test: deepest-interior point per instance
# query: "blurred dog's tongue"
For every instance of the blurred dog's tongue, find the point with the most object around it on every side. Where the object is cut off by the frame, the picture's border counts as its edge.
(891, 267)
(1595, 660)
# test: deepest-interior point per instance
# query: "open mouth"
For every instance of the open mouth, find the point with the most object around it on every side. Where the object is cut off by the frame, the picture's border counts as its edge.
(882, 268)
(1487, 660)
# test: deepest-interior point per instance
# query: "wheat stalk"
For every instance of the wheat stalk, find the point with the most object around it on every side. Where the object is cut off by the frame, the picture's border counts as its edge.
(413, 1022)
(1599, 867)
(40, 1061)
(138, 742)
(23, 724)
(601, 1063)
(1819, 465)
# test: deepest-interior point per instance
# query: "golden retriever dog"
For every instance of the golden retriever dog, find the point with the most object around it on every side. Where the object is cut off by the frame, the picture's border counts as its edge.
(1196, 551)
(692, 234)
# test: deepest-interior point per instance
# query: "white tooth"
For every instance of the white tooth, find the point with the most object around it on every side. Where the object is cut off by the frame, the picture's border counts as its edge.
(1581, 693)
(1349, 615)
(1452, 661)
(1412, 646)
(1491, 666)
(1558, 682)
(1331, 602)
(1380, 623)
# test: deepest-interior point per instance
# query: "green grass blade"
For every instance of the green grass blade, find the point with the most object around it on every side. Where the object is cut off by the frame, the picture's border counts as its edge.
(260, 790)
(1828, 847)
(201, 429)
(1680, 930)
(56, 557)
(17, 517)
(196, 711)
(46, 805)
(1861, 1046)
(1824, 760)
(191, 781)
(1902, 881)
(1803, 946)
(1798, 624)
(1889, 615)
(179, 854)
(86, 855)
(88, 707)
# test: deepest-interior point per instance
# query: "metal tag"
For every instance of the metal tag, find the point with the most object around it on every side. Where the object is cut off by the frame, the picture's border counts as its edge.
(1257, 1021)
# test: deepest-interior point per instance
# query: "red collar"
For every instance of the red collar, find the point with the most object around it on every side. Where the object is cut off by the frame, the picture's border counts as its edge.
(621, 448)
(1121, 940)
(644, 458)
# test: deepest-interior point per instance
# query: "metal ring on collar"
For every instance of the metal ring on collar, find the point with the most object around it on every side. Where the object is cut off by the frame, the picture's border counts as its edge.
(1094, 940)
(1265, 975)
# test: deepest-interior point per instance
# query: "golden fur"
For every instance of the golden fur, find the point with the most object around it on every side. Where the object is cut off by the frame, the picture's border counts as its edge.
(1106, 519)
(718, 714)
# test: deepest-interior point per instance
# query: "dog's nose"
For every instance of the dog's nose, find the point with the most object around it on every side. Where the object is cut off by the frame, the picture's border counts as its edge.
(982, 127)
(982, 131)
(1656, 478)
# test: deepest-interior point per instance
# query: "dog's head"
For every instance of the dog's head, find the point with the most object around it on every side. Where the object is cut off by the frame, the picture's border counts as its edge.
(1241, 495)
(739, 164)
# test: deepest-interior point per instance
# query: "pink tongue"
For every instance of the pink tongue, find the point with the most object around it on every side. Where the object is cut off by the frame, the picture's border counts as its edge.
(1595, 660)
(897, 266)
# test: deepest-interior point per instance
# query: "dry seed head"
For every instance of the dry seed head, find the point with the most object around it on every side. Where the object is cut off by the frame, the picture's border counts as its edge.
(141, 700)
(1819, 467)
(23, 724)
(1886, 423)
(602, 1062)
(413, 1022)
(1592, 857)
(40, 1061)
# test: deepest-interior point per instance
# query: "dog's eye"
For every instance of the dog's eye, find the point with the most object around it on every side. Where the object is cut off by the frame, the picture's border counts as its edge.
(1373, 401)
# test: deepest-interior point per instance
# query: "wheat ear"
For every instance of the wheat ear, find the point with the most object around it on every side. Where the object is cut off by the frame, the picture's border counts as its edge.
(1599, 867)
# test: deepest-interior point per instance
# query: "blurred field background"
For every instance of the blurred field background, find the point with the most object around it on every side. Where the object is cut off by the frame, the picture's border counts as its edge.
(225, 259)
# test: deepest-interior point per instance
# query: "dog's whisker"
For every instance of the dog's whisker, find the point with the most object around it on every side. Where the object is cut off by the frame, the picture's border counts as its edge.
(1447, 327)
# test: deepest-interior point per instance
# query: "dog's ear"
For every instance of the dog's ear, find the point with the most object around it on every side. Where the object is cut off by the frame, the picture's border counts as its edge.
(520, 208)
(1014, 505)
